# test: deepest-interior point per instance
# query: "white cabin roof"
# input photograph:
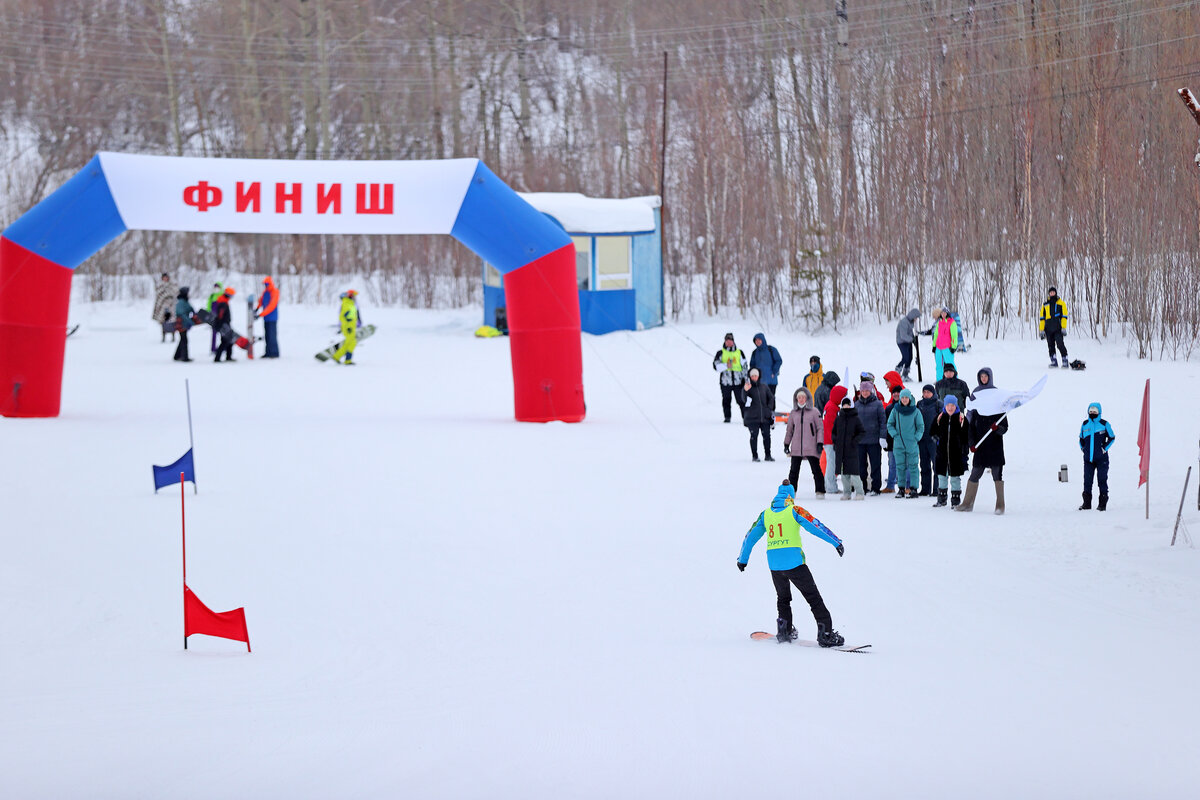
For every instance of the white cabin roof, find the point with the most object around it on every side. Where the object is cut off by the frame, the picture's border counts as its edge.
(579, 213)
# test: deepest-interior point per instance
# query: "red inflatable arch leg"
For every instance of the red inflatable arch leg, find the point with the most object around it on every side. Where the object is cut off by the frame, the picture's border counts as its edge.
(34, 299)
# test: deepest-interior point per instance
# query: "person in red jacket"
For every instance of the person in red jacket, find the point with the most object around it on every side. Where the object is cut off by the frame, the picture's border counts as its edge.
(895, 386)
(828, 418)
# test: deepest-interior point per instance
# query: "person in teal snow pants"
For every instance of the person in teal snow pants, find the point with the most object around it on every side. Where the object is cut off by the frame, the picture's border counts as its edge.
(782, 523)
(945, 339)
(906, 426)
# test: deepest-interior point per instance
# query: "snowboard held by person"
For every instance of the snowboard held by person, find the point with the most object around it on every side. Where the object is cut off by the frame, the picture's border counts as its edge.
(782, 523)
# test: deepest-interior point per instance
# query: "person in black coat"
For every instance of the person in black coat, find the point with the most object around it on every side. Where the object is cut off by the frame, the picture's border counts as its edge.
(847, 431)
(760, 413)
(985, 435)
(929, 407)
(222, 323)
(873, 416)
(951, 384)
(950, 429)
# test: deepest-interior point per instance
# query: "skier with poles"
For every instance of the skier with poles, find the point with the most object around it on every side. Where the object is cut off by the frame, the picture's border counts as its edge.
(782, 523)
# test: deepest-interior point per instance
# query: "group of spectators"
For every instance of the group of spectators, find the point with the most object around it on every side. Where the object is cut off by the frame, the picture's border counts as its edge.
(174, 311)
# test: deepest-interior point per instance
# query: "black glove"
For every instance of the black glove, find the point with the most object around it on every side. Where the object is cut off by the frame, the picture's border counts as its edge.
(1042, 335)
(841, 550)
(741, 567)
(787, 450)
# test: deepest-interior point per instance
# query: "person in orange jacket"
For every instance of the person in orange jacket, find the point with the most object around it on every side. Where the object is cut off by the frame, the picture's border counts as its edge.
(268, 310)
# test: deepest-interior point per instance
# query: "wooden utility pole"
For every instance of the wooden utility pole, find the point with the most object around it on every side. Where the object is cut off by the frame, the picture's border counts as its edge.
(662, 198)
(1189, 100)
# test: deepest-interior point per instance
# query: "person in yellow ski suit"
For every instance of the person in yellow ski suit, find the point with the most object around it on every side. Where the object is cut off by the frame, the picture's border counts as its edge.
(348, 317)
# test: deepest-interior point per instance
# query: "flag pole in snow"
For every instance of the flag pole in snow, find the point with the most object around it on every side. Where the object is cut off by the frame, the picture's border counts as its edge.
(183, 534)
(191, 440)
(1182, 498)
(1143, 442)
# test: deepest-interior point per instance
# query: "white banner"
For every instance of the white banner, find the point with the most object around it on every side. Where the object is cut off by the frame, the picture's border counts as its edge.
(1000, 401)
(229, 195)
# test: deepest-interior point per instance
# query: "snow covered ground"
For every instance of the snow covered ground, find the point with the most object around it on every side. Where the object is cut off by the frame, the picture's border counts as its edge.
(446, 603)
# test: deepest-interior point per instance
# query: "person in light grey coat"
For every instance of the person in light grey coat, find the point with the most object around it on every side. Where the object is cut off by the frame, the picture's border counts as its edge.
(803, 440)
(906, 335)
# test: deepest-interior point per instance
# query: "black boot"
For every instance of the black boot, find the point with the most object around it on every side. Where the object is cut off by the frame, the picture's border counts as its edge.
(955, 499)
(829, 638)
(1087, 501)
(941, 498)
(1103, 505)
(784, 632)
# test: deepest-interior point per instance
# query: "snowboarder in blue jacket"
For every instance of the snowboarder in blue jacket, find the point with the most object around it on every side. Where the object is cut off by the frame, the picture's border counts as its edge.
(1095, 438)
(782, 522)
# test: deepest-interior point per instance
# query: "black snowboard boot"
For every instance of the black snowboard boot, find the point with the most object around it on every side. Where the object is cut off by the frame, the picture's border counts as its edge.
(955, 499)
(941, 498)
(829, 638)
(1087, 501)
(784, 631)
(1054, 361)
(1103, 505)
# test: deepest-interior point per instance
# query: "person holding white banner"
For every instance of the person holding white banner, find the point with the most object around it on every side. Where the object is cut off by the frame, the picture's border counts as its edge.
(985, 435)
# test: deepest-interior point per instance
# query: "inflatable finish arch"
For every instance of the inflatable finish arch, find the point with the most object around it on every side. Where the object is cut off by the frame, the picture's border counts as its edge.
(117, 192)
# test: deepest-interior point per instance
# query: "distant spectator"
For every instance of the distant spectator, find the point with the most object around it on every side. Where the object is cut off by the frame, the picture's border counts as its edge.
(165, 292)
(759, 414)
(768, 361)
(268, 310)
(730, 364)
(183, 322)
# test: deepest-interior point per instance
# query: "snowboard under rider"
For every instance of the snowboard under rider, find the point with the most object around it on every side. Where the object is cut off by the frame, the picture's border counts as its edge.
(782, 523)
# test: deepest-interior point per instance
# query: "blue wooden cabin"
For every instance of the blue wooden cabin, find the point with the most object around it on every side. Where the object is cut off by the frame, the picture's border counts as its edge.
(618, 260)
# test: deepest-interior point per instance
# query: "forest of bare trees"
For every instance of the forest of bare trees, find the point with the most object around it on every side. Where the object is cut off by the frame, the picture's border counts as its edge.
(827, 161)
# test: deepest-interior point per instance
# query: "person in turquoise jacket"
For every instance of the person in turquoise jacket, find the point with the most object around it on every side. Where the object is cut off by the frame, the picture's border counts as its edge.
(782, 523)
(1095, 438)
(906, 426)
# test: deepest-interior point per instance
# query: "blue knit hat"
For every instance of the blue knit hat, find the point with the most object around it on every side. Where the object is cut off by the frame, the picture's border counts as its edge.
(785, 490)
(949, 399)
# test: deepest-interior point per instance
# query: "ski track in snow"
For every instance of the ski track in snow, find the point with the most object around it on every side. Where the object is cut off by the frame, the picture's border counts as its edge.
(445, 603)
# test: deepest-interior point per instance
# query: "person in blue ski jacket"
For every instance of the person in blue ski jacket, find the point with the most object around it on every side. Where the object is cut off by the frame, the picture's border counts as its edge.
(768, 361)
(1095, 438)
(782, 523)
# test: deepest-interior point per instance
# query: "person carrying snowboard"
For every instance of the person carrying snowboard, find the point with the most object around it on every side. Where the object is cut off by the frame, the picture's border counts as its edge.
(222, 323)
(1052, 326)
(348, 318)
(730, 364)
(1095, 438)
(782, 523)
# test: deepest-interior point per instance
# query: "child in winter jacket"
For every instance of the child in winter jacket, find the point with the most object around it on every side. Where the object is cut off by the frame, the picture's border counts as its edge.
(847, 431)
(929, 407)
(906, 426)
(803, 440)
(950, 430)
(1095, 438)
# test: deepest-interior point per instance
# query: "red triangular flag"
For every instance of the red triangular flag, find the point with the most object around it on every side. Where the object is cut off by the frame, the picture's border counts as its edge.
(199, 618)
(1143, 439)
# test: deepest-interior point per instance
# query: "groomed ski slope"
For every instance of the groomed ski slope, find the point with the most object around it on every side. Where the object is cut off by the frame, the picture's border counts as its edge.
(444, 603)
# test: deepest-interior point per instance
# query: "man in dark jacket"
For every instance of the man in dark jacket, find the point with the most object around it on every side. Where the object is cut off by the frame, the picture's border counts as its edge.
(906, 335)
(951, 384)
(985, 435)
(1095, 438)
(759, 414)
(929, 407)
(821, 395)
(870, 449)
(1052, 326)
(222, 323)
(768, 361)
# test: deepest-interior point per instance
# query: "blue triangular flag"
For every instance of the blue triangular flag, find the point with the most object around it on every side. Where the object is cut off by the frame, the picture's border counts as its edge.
(165, 476)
